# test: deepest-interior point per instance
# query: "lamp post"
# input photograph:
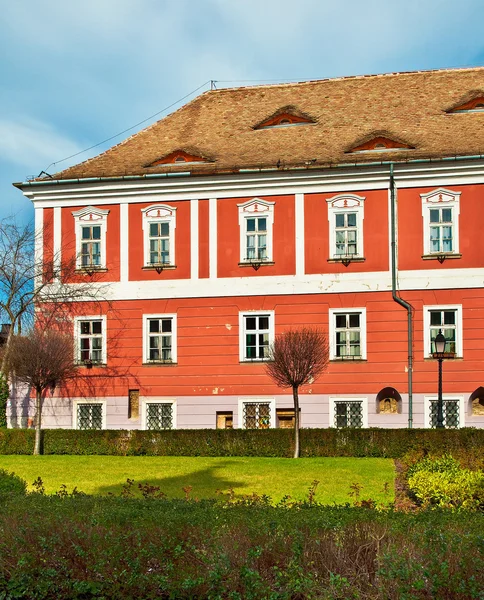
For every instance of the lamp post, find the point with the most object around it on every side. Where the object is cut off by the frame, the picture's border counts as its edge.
(439, 343)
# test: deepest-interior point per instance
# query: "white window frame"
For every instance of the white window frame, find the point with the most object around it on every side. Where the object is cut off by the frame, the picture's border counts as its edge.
(144, 401)
(458, 327)
(159, 213)
(77, 401)
(445, 397)
(90, 216)
(257, 400)
(332, 409)
(344, 204)
(77, 338)
(242, 332)
(332, 332)
(252, 209)
(146, 336)
(440, 198)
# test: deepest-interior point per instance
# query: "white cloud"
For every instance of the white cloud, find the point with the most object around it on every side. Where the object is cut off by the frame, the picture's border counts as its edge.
(33, 144)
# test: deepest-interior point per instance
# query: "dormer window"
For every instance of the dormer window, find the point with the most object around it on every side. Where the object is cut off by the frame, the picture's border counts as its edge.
(285, 117)
(380, 144)
(178, 157)
(474, 105)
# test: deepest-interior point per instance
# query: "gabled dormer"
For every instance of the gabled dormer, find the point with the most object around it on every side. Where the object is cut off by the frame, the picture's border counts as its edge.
(473, 102)
(379, 142)
(179, 157)
(285, 117)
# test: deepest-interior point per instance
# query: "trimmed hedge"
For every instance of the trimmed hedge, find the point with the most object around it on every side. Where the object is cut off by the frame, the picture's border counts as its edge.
(378, 443)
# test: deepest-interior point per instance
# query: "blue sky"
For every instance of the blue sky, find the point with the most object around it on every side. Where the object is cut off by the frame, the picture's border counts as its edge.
(74, 73)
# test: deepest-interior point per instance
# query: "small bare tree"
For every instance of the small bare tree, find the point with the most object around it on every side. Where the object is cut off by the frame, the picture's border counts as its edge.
(43, 360)
(28, 281)
(297, 357)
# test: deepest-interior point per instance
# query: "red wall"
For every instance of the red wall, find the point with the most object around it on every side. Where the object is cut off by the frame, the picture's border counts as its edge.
(208, 345)
(182, 244)
(410, 229)
(228, 257)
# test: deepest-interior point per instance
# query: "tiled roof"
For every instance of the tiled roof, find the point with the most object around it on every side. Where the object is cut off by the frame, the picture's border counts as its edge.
(220, 124)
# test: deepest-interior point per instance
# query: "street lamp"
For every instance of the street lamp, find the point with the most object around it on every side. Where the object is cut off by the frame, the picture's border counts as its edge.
(439, 343)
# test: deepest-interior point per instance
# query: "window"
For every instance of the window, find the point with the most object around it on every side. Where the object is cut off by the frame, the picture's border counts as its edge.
(225, 419)
(159, 414)
(256, 335)
(348, 412)
(91, 228)
(257, 413)
(347, 334)
(159, 224)
(159, 339)
(440, 211)
(90, 340)
(447, 319)
(256, 219)
(345, 214)
(89, 415)
(453, 409)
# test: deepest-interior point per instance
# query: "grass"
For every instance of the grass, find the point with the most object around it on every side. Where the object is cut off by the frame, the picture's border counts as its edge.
(275, 477)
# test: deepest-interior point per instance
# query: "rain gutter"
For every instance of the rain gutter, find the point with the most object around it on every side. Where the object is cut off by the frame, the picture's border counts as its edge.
(408, 307)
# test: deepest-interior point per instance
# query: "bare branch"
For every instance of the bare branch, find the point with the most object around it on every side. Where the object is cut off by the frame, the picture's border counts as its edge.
(297, 357)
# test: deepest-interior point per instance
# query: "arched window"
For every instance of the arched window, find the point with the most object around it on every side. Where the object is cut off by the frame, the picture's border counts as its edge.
(477, 401)
(388, 401)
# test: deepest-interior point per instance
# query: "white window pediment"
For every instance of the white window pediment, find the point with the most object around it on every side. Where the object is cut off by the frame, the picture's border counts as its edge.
(345, 215)
(440, 212)
(159, 225)
(91, 225)
(256, 220)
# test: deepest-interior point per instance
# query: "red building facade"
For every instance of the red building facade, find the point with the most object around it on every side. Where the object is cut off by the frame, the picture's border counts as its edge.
(254, 210)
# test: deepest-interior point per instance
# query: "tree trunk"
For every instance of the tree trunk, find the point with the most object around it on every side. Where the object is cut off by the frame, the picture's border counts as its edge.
(295, 395)
(38, 422)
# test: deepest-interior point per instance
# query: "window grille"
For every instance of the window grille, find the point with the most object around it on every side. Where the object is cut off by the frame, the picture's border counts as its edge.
(348, 414)
(159, 416)
(89, 416)
(257, 415)
(451, 413)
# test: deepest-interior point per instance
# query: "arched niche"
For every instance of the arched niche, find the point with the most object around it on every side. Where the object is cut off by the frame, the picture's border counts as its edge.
(477, 401)
(388, 402)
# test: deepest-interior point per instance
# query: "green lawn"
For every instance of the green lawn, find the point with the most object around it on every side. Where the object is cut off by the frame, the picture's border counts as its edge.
(275, 477)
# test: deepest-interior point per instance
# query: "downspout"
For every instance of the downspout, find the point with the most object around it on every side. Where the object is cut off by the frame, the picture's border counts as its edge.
(408, 307)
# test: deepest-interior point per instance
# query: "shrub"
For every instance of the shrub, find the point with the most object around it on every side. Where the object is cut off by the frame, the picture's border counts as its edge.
(11, 483)
(378, 443)
(442, 482)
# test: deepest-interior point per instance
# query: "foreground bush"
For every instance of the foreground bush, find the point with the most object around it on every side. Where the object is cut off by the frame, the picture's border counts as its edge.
(442, 482)
(11, 484)
(380, 443)
(84, 547)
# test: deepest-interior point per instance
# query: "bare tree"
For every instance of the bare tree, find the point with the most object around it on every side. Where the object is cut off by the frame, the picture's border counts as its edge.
(42, 283)
(297, 357)
(43, 360)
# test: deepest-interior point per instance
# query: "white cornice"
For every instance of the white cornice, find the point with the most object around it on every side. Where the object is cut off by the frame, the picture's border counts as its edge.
(330, 283)
(354, 178)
